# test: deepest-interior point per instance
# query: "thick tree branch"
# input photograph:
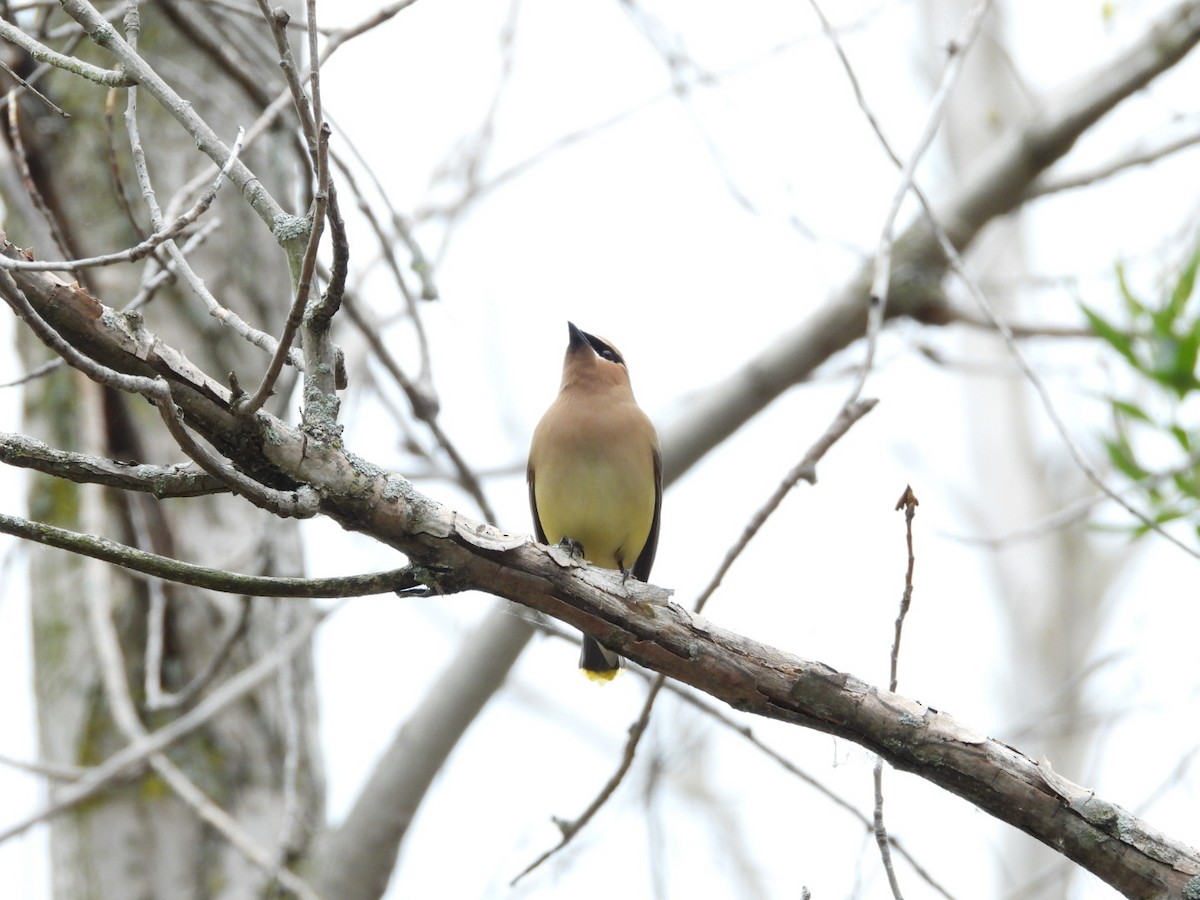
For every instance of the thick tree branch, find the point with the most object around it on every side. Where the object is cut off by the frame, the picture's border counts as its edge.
(451, 553)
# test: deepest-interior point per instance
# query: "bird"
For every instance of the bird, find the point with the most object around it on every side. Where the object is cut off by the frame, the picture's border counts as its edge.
(595, 474)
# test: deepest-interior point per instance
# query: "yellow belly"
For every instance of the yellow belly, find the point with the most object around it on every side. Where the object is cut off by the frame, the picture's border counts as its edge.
(604, 507)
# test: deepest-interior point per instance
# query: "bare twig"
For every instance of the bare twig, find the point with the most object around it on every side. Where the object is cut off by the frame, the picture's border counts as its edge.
(337, 38)
(402, 226)
(805, 470)
(25, 85)
(424, 407)
(144, 248)
(55, 772)
(1078, 510)
(202, 576)
(228, 166)
(207, 140)
(878, 297)
(279, 18)
(1043, 392)
(314, 228)
(124, 713)
(15, 297)
(746, 733)
(1047, 185)
(134, 756)
(573, 827)
(159, 272)
(186, 694)
(50, 365)
(44, 54)
(31, 187)
(114, 162)
(182, 480)
(317, 132)
(908, 502)
(302, 503)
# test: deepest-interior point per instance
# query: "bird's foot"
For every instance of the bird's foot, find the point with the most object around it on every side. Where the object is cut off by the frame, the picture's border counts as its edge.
(572, 546)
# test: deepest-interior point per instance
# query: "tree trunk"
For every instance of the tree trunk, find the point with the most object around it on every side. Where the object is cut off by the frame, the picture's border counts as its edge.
(140, 840)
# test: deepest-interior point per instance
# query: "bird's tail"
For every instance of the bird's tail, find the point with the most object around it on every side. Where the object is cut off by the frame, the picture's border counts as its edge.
(597, 662)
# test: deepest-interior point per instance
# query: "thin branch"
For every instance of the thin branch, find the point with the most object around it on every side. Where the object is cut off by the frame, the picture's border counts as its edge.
(315, 228)
(337, 38)
(44, 54)
(207, 140)
(162, 272)
(302, 503)
(26, 86)
(15, 297)
(124, 713)
(228, 167)
(180, 572)
(1046, 185)
(1107, 95)
(50, 365)
(1024, 331)
(908, 502)
(54, 772)
(572, 828)
(31, 188)
(223, 314)
(174, 700)
(114, 161)
(142, 249)
(156, 699)
(994, 189)
(878, 297)
(1078, 510)
(279, 18)
(402, 226)
(424, 407)
(134, 756)
(180, 480)
(747, 733)
(1042, 391)
(805, 470)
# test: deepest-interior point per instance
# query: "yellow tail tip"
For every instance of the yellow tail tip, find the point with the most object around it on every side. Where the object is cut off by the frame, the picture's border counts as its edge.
(600, 676)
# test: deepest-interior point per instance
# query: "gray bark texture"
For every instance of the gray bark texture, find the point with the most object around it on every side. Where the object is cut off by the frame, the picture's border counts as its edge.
(141, 840)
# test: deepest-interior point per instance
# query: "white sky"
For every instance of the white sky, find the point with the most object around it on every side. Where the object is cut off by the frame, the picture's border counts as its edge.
(634, 234)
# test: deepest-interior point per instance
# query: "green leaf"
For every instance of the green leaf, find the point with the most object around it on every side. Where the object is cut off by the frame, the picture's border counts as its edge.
(1182, 437)
(1187, 483)
(1121, 456)
(1132, 303)
(1185, 285)
(1110, 334)
(1130, 410)
(1175, 364)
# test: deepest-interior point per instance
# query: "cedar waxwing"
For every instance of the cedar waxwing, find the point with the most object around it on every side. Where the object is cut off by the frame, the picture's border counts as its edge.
(595, 473)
